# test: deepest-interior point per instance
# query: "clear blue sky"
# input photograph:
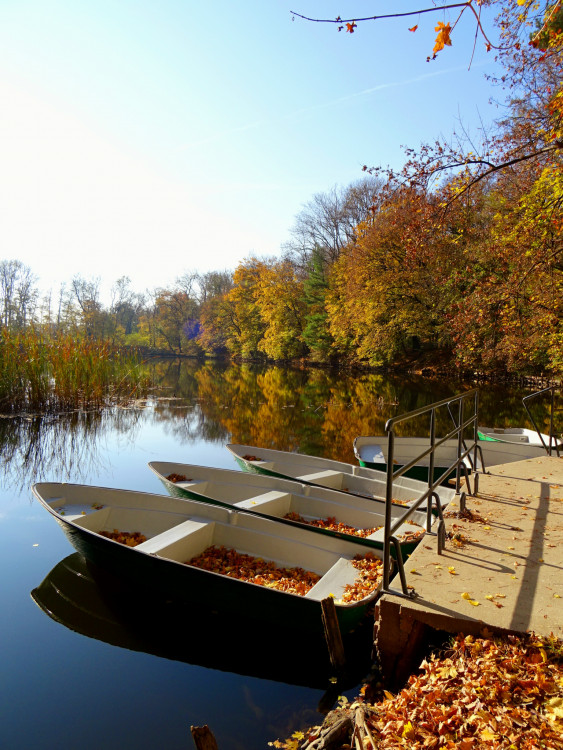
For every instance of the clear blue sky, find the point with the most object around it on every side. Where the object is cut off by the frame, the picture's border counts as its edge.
(148, 138)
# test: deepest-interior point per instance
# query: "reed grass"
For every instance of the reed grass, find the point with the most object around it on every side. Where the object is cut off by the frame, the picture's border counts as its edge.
(47, 374)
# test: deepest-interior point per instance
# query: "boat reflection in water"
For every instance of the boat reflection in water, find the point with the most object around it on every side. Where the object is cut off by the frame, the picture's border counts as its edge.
(93, 603)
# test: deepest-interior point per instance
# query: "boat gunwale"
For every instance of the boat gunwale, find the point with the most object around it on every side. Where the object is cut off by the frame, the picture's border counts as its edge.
(111, 544)
(363, 541)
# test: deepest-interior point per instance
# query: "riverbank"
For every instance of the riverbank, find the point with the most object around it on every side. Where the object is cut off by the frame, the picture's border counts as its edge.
(484, 692)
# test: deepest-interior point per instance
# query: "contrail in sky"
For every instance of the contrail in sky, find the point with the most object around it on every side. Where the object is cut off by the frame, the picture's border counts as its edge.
(379, 87)
(324, 105)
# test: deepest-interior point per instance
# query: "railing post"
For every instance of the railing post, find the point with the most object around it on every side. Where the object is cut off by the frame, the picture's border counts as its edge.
(432, 445)
(431, 496)
(388, 504)
(459, 444)
(552, 440)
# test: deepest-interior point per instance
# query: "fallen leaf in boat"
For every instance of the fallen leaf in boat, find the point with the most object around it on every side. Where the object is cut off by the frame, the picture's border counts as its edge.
(128, 538)
(177, 478)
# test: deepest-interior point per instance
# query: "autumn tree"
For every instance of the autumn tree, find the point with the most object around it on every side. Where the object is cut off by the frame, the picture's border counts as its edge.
(280, 302)
(126, 309)
(18, 294)
(213, 284)
(233, 320)
(176, 321)
(94, 319)
(327, 222)
(393, 287)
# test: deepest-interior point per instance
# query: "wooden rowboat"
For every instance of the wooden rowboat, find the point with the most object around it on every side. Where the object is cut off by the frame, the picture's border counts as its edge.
(289, 570)
(372, 452)
(337, 475)
(333, 512)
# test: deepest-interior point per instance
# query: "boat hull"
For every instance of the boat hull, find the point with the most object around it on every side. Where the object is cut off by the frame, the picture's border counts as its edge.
(279, 497)
(519, 435)
(88, 601)
(372, 451)
(358, 480)
(157, 567)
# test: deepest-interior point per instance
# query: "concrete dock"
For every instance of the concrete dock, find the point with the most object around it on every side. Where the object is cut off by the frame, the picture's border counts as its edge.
(501, 570)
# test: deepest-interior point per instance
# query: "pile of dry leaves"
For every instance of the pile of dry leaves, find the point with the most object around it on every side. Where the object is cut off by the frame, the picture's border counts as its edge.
(502, 693)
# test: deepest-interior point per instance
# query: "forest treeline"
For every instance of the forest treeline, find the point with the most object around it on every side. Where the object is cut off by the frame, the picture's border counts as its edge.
(457, 256)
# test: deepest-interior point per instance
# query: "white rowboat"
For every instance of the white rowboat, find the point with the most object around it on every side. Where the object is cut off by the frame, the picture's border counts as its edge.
(287, 499)
(336, 475)
(174, 532)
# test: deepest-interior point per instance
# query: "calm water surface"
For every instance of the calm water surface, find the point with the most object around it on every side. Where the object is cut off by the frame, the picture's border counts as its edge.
(101, 671)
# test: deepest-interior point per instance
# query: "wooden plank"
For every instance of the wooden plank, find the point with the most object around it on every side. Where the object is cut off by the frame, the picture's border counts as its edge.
(204, 738)
(332, 634)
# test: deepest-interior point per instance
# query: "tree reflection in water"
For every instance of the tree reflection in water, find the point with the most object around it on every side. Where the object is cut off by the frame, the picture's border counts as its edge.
(65, 446)
(310, 410)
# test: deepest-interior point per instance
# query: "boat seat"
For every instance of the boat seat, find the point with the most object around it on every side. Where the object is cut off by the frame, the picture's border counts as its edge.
(328, 478)
(272, 500)
(373, 454)
(334, 581)
(168, 537)
(199, 485)
(267, 465)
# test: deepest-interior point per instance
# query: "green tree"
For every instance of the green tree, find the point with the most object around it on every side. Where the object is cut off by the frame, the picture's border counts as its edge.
(316, 333)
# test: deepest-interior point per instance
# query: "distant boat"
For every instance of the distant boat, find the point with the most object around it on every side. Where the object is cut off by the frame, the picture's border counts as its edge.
(372, 452)
(336, 475)
(333, 512)
(518, 435)
(160, 544)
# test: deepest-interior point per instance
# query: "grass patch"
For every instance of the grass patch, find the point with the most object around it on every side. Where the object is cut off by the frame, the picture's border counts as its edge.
(49, 374)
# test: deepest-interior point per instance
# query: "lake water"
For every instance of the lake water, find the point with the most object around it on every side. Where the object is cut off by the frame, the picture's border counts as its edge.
(100, 671)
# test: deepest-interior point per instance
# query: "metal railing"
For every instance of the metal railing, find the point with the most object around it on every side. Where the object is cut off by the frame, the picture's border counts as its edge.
(553, 442)
(464, 449)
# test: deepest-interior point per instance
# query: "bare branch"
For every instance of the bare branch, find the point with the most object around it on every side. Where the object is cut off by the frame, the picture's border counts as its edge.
(468, 4)
(388, 15)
